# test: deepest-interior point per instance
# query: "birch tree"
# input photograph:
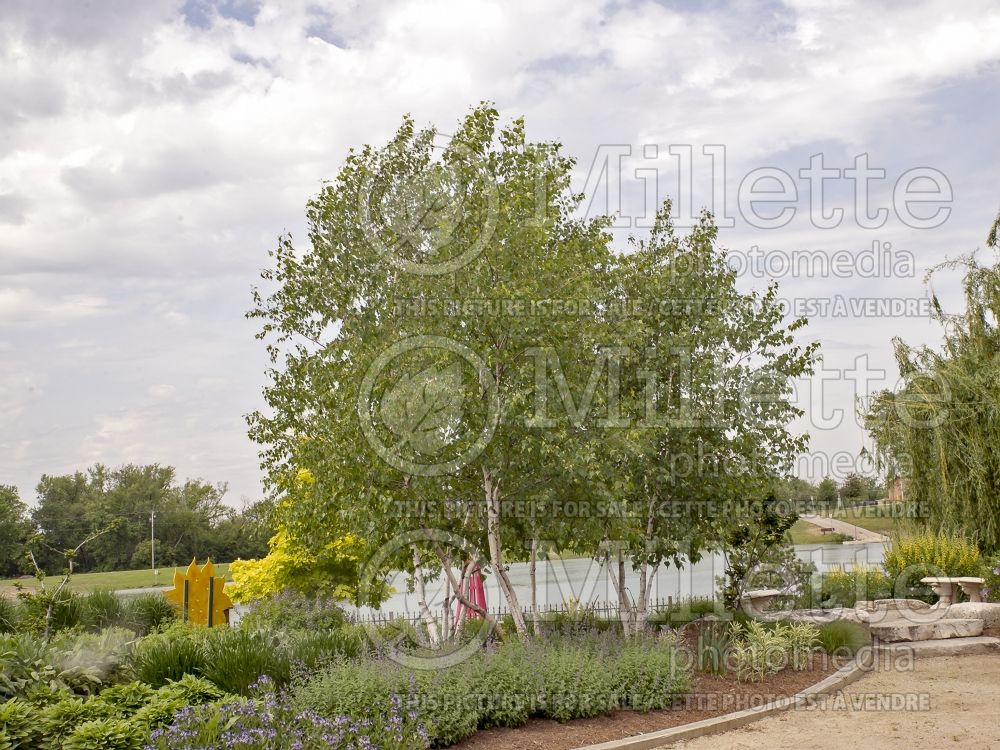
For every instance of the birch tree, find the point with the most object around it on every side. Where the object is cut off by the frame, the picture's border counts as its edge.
(707, 374)
(398, 340)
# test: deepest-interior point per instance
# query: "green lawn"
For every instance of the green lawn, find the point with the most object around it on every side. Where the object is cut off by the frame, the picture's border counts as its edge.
(882, 519)
(803, 532)
(119, 579)
(879, 525)
(869, 518)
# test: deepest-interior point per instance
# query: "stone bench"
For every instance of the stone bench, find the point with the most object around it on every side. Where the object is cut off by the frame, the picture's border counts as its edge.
(881, 610)
(945, 588)
(894, 631)
(754, 603)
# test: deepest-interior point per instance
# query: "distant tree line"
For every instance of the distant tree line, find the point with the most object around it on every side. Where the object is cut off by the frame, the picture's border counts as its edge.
(192, 520)
(855, 488)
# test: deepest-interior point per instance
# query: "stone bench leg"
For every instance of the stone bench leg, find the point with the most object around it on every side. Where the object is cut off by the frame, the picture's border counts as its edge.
(974, 591)
(945, 592)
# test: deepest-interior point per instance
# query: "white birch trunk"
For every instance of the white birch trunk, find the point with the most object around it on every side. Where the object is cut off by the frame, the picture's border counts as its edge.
(429, 620)
(492, 492)
(618, 582)
(536, 620)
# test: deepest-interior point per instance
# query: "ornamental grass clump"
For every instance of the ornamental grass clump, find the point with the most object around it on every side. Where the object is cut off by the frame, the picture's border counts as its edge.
(148, 613)
(236, 659)
(311, 650)
(843, 638)
(712, 648)
(102, 608)
(167, 656)
(10, 615)
(757, 652)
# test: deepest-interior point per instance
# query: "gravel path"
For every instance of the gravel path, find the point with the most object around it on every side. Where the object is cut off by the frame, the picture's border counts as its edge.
(952, 702)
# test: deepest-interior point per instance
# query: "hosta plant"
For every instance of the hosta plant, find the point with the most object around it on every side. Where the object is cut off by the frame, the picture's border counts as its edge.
(105, 734)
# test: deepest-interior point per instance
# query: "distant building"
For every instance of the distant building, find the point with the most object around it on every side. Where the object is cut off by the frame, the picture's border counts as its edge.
(897, 489)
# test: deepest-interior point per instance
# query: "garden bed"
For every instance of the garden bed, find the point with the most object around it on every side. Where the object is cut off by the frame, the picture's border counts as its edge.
(328, 683)
(713, 695)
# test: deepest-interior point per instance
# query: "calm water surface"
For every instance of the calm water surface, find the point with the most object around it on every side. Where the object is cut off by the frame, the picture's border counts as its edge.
(562, 580)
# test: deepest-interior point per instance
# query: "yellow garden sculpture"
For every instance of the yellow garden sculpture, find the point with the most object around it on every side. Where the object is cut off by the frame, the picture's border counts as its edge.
(200, 596)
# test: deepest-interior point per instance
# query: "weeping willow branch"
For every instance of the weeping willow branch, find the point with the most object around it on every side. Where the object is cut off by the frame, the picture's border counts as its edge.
(941, 429)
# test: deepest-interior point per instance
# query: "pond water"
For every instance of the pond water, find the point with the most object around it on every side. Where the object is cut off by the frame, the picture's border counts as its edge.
(582, 578)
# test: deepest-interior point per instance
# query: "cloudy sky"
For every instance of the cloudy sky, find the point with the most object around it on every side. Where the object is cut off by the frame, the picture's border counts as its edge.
(151, 152)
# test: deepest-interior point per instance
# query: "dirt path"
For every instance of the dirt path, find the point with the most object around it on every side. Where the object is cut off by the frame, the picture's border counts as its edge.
(843, 527)
(712, 695)
(952, 703)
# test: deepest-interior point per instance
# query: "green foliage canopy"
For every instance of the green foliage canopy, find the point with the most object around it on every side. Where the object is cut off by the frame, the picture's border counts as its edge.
(941, 428)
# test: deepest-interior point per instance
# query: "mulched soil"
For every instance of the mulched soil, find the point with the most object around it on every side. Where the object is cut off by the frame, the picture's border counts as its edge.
(712, 696)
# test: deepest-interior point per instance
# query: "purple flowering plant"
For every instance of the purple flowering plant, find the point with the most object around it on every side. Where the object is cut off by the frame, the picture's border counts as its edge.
(992, 586)
(270, 722)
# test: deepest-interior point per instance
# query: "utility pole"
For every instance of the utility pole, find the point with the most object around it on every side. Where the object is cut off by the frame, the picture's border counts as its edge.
(152, 543)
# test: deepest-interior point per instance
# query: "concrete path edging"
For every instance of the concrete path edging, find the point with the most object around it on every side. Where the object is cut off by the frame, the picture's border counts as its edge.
(944, 647)
(839, 679)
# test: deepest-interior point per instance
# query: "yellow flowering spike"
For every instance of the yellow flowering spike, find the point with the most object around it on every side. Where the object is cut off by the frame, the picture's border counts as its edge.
(203, 590)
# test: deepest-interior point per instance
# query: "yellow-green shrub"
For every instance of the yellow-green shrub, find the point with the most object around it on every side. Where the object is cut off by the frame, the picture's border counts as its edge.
(915, 556)
(842, 588)
(331, 566)
(933, 555)
(290, 564)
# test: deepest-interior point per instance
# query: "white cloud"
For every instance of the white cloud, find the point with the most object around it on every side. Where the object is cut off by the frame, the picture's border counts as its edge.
(161, 391)
(21, 389)
(28, 306)
(147, 163)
